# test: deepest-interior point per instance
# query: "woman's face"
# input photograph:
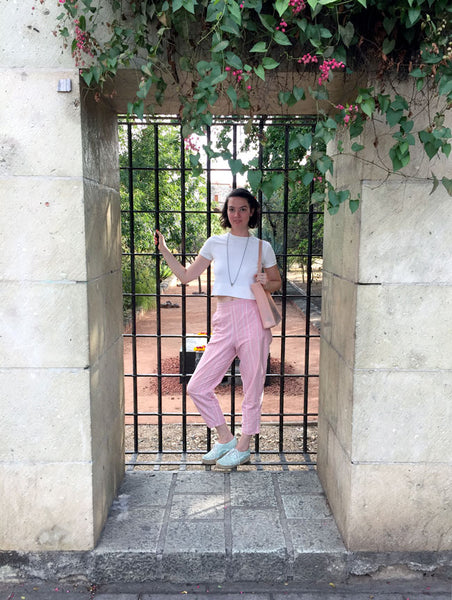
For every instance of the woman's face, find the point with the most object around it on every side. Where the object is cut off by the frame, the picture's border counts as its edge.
(239, 212)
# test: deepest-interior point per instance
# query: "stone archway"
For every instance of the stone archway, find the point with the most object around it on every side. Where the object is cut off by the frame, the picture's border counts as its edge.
(385, 372)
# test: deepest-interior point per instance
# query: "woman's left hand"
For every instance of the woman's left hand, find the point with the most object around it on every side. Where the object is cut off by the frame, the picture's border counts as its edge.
(262, 278)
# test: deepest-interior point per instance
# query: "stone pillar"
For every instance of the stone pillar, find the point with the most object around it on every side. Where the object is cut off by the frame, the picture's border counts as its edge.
(385, 457)
(62, 450)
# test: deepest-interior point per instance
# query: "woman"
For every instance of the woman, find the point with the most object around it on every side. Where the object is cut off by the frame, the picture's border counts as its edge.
(237, 328)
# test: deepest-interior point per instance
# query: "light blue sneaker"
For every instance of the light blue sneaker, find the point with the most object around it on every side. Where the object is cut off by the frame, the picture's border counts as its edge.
(218, 451)
(233, 459)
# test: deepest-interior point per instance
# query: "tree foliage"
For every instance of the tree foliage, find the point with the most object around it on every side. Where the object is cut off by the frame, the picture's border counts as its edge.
(157, 193)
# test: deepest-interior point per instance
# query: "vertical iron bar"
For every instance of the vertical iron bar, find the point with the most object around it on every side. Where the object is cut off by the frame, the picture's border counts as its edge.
(260, 200)
(184, 294)
(133, 287)
(234, 185)
(307, 326)
(158, 307)
(209, 274)
(284, 288)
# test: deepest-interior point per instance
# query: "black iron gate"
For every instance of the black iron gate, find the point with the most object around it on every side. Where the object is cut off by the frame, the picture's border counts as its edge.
(163, 187)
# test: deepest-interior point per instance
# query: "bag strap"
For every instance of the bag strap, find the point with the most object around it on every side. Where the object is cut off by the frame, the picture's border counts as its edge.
(259, 258)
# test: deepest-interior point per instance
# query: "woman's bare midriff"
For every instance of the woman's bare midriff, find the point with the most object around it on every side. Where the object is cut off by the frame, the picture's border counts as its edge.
(222, 299)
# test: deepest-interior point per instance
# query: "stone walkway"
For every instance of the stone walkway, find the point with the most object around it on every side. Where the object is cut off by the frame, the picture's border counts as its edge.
(207, 528)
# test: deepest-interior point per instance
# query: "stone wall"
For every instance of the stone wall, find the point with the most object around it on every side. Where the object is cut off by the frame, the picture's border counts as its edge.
(61, 457)
(385, 456)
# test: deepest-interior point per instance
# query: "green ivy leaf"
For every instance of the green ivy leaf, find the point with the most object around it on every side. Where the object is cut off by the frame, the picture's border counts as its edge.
(230, 26)
(413, 15)
(445, 85)
(234, 11)
(305, 140)
(218, 47)
(254, 179)
(389, 23)
(337, 198)
(307, 178)
(214, 11)
(232, 94)
(236, 166)
(324, 164)
(281, 6)
(368, 106)
(87, 77)
(194, 159)
(353, 204)
(317, 197)
(347, 33)
(268, 21)
(435, 184)
(356, 128)
(277, 181)
(284, 97)
(299, 93)
(357, 147)
(393, 116)
(268, 189)
(388, 46)
(259, 70)
(233, 60)
(282, 39)
(136, 108)
(417, 72)
(269, 63)
(259, 47)
(447, 183)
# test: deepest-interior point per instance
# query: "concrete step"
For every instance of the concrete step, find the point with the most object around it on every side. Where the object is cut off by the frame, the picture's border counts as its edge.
(207, 526)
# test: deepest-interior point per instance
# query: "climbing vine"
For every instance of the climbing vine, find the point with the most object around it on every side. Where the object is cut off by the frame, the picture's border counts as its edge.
(216, 49)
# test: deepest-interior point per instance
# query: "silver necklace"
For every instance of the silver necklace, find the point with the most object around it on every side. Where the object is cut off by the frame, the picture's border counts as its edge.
(241, 262)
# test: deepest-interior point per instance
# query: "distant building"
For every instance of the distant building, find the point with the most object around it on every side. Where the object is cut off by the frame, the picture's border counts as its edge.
(219, 192)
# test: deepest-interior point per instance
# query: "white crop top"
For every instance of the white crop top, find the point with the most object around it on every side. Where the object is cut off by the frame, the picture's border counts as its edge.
(219, 248)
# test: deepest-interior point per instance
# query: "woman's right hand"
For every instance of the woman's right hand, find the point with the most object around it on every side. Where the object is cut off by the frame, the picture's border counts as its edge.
(159, 240)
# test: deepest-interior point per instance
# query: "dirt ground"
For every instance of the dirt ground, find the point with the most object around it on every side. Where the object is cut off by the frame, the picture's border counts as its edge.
(147, 353)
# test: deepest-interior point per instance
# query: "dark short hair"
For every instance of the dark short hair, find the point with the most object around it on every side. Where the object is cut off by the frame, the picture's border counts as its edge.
(254, 205)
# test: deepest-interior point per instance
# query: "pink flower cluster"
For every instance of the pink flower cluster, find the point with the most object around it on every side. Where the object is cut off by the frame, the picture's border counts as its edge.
(307, 58)
(327, 66)
(190, 144)
(282, 26)
(319, 179)
(238, 74)
(297, 6)
(350, 112)
(83, 44)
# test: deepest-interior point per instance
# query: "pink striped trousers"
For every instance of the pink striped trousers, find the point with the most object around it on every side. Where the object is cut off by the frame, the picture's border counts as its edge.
(237, 331)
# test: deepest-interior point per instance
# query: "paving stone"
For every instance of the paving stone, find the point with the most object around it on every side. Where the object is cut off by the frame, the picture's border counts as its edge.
(315, 535)
(299, 482)
(199, 506)
(142, 490)
(252, 489)
(297, 506)
(195, 536)
(137, 530)
(257, 530)
(198, 482)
